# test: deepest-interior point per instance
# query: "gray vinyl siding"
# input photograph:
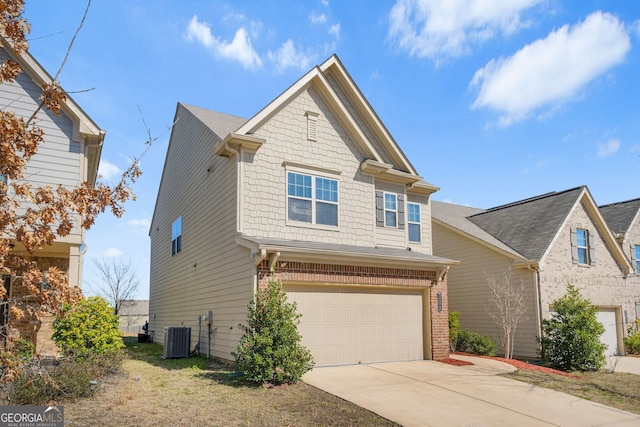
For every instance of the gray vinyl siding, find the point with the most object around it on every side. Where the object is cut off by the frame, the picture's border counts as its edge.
(211, 272)
(468, 291)
(392, 236)
(59, 160)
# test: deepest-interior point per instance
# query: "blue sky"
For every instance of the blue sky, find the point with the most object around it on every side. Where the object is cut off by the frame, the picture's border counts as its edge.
(492, 101)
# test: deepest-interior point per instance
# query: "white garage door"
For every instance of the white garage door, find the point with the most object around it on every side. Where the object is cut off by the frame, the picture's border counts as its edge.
(610, 336)
(349, 325)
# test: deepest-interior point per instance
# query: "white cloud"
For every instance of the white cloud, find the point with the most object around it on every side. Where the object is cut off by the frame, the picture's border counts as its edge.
(108, 170)
(317, 19)
(239, 49)
(287, 57)
(609, 148)
(550, 71)
(140, 225)
(335, 30)
(440, 30)
(112, 253)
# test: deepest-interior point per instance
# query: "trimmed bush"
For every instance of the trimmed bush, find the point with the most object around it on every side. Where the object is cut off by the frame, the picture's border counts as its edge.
(89, 326)
(571, 337)
(632, 340)
(454, 326)
(270, 350)
(475, 343)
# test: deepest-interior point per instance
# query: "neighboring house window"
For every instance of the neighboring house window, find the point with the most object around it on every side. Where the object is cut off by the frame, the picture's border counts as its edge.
(176, 236)
(582, 249)
(636, 258)
(312, 199)
(4, 179)
(389, 210)
(414, 221)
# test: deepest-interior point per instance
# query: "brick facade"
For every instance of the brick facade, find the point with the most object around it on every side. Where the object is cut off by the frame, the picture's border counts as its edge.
(336, 274)
(37, 330)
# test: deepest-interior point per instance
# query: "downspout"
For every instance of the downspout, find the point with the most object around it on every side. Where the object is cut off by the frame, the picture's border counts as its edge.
(538, 297)
(258, 257)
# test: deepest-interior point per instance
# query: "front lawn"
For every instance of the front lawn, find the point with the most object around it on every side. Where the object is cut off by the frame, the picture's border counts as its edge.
(197, 391)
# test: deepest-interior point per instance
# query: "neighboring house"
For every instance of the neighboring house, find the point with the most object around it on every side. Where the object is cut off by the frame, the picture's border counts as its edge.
(624, 220)
(548, 241)
(69, 156)
(133, 315)
(312, 190)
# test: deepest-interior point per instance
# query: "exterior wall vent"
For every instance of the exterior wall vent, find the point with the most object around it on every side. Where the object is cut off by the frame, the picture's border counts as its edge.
(312, 123)
(177, 341)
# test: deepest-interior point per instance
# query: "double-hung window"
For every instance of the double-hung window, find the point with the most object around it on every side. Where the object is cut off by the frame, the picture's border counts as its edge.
(637, 258)
(582, 249)
(176, 236)
(390, 210)
(312, 199)
(413, 219)
(582, 244)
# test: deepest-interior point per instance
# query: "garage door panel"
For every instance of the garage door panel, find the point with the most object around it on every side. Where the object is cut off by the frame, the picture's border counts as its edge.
(610, 336)
(345, 325)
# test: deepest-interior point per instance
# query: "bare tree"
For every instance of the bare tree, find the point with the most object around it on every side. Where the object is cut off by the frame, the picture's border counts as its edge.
(118, 282)
(507, 306)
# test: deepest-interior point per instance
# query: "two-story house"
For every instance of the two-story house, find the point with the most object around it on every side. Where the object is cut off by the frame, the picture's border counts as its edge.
(69, 156)
(548, 242)
(314, 191)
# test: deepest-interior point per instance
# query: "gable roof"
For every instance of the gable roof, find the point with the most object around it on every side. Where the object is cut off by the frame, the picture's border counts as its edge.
(621, 215)
(321, 78)
(526, 228)
(455, 218)
(529, 226)
(219, 123)
(84, 128)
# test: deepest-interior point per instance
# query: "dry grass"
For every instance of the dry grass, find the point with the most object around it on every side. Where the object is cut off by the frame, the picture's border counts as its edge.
(185, 392)
(619, 390)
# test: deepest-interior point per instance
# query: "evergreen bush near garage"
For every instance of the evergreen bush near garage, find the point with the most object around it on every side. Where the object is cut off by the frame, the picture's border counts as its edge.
(571, 337)
(474, 343)
(632, 340)
(270, 351)
(454, 326)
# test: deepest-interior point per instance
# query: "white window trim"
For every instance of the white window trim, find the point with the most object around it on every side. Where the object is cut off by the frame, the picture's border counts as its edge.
(313, 172)
(384, 200)
(409, 222)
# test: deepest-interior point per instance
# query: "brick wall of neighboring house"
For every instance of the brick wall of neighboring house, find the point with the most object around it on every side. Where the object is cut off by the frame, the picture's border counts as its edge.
(602, 283)
(372, 276)
(30, 327)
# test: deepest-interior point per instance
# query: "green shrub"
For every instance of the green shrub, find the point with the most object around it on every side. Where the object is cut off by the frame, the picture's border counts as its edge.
(454, 326)
(571, 337)
(270, 350)
(474, 343)
(632, 340)
(89, 326)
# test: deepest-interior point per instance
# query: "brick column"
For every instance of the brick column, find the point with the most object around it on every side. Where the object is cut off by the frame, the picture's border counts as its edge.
(439, 322)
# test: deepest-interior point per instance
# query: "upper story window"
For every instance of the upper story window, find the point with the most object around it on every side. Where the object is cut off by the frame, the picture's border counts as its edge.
(414, 221)
(4, 179)
(582, 249)
(312, 199)
(176, 236)
(389, 209)
(637, 258)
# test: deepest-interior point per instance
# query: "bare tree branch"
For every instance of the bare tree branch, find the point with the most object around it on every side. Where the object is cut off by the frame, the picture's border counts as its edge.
(118, 282)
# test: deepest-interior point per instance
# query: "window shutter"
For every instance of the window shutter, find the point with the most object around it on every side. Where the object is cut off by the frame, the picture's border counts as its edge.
(379, 208)
(592, 248)
(401, 211)
(574, 246)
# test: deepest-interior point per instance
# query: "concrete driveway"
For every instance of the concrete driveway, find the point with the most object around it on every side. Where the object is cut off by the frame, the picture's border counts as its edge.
(428, 393)
(629, 364)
